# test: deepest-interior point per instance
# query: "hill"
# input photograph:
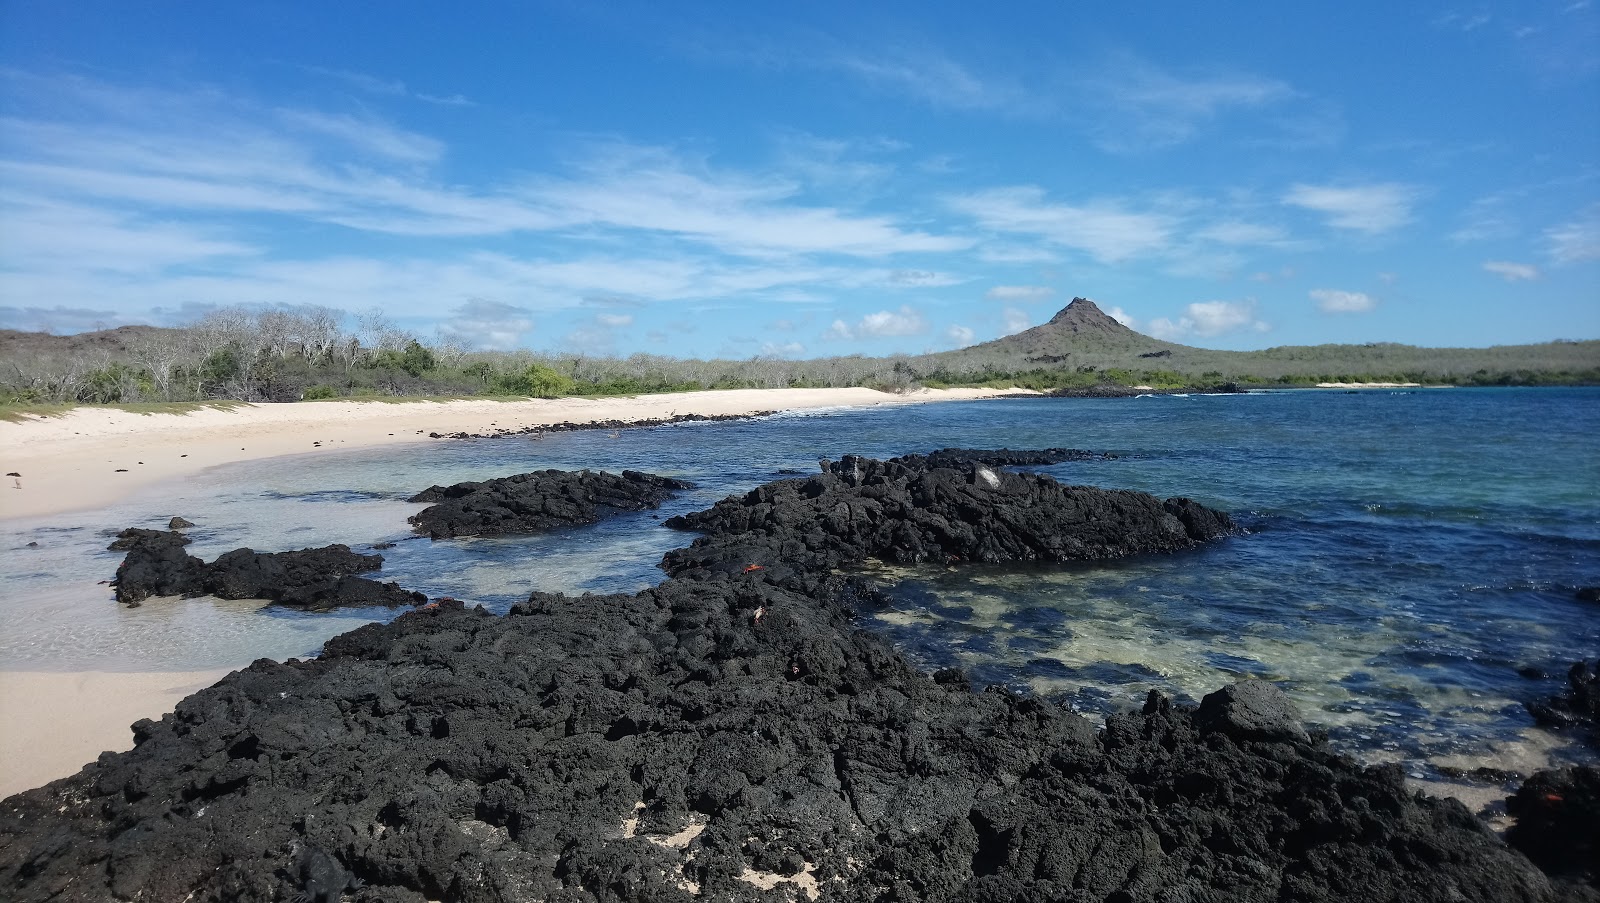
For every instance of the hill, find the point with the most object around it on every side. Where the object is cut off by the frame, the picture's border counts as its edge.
(1082, 338)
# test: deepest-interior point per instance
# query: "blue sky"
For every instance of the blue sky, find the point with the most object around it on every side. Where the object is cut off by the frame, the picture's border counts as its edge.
(807, 179)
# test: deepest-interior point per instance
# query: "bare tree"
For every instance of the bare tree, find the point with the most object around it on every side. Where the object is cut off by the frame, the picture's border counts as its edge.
(158, 354)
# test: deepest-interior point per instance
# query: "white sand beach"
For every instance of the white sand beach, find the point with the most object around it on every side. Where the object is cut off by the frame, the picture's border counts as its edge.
(89, 457)
(52, 723)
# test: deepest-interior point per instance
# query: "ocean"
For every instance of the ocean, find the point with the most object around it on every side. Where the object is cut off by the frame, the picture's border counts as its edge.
(1406, 569)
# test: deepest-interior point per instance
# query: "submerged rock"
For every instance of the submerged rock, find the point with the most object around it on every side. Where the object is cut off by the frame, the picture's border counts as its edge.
(1578, 706)
(157, 565)
(538, 502)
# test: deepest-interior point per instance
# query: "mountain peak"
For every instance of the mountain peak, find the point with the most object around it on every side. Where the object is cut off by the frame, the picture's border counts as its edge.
(1084, 315)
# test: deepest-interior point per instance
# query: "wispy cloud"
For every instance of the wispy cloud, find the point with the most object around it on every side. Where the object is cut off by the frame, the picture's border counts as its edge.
(1576, 240)
(928, 75)
(1147, 107)
(367, 135)
(371, 84)
(959, 336)
(1027, 294)
(1371, 208)
(1510, 271)
(1104, 230)
(1335, 301)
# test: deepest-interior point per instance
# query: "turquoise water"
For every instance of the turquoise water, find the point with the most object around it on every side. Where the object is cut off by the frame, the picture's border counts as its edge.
(1405, 553)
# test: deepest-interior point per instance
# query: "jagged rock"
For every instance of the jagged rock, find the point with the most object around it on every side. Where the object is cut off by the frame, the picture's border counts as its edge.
(156, 565)
(537, 502)
(707, 736)
(139, 536)
(964, 511)
(1250, 710)
(552, 753)
(178, 523)
(1578, 706)
(1558, 821)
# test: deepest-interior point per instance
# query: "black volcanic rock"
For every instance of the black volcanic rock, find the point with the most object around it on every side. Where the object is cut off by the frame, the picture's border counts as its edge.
(733, 738)
(963, 511)
(537, 502)
(156, 565)
(1558, 821)
(1578, 706)
(140, 536)
(692, 739)
(999, 457)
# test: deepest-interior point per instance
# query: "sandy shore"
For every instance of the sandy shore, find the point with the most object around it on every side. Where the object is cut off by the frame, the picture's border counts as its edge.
(51, 724)
(90, 457)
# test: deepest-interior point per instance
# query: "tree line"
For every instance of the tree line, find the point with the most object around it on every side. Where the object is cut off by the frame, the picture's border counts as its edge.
(317, 353)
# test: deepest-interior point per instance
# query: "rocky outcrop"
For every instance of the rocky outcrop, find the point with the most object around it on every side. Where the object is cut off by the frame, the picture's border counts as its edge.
(157, 565)
(1558, 822)
(538, 502)
(728, 736)
(962, 511)
(701, 740)
(1578, 707)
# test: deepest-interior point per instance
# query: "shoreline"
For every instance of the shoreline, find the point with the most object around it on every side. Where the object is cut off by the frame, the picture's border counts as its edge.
(56, 722)
(53, 723)
(90, 457)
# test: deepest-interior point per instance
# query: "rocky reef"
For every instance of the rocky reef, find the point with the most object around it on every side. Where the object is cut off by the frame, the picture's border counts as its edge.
(730, 735)
(157, 565)
(537, 502)
(915, 510)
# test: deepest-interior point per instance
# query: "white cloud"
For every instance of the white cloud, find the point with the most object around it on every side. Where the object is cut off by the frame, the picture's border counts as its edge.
(1104, 230)
(1578, 240)
(784, 349)
(959, 336)
(884, 323)
(1121, 316)
(905, 321)
(1014, 320)
(1374, 208)
(615, 321)
(1334, 301)
(1512, 272)
(1026, 294)
(1210, 318)
(489, 325)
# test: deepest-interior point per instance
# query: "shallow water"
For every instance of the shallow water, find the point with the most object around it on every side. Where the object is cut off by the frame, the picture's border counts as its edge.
(1406, 553)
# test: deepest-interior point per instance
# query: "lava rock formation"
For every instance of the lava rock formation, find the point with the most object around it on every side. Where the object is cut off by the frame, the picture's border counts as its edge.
(157, 565)
(537, 502)
(730, 735)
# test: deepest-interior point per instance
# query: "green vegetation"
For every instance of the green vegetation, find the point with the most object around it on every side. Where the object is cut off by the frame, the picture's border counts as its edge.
(237, 356)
